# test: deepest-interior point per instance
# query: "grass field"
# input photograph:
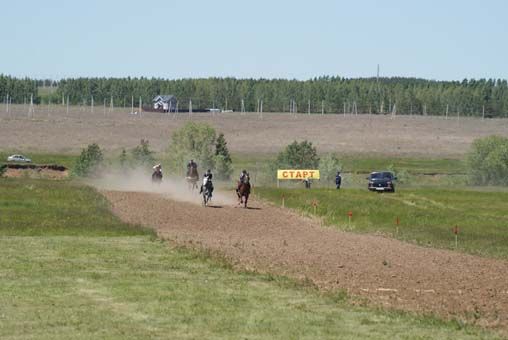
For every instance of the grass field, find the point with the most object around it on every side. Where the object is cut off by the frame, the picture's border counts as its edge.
(426, 215)
(70, 275)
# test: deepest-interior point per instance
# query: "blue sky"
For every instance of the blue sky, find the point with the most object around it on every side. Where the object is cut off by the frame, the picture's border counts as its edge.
(444, 40)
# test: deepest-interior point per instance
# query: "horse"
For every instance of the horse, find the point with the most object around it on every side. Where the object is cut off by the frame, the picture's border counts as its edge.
(243, 191)
(207, 188)
(157, 176)
(192, 178)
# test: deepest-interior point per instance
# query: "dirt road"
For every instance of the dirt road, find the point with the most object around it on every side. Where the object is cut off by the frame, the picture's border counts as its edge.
(386, 272)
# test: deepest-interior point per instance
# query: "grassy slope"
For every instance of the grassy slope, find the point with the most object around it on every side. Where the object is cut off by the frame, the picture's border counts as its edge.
(43, 207)
(426, 215)
(75, 282)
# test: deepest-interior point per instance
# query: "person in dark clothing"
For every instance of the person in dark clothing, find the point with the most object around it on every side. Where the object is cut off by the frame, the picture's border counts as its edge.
(338, 180)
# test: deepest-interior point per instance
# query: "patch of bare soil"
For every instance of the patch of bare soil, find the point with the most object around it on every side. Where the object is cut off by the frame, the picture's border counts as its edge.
(384, 271)
(56, 130)
(36, 173)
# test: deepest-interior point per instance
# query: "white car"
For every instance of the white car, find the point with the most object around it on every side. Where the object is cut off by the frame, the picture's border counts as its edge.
(18, 158)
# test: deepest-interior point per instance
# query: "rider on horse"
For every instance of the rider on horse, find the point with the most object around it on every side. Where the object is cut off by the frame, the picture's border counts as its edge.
(207, 182)
(191, 167)
(243, 176)
(157, 168)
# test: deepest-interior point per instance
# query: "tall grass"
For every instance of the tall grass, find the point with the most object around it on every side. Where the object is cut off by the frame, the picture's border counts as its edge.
(426, 216)
(45, 207)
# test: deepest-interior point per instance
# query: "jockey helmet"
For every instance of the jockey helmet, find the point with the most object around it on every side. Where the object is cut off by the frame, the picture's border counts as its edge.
(244, 171)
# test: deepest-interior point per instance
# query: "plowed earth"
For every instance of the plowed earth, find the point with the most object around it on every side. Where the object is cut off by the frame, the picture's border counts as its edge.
(383, 271)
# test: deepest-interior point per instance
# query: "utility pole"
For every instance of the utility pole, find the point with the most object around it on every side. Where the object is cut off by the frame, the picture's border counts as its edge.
(243, 106)
(322, 107)
(91, 106)
(483, 112)
(31, 108)
(140, 105)
(308, 108)
(190, 106)
(132, 105)
(446, 114)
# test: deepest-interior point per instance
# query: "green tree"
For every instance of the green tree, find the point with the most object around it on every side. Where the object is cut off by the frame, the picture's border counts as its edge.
(223, 162)
(192, 141)
(487, 162)
(298, 156)
(89, 161)
(328, 167)
(142, 155)
(123, 158)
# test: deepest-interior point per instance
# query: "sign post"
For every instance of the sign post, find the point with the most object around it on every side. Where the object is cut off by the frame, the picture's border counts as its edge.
(456, 232)
(350, 216)
(315, 204)
(297, 174)
(283, 203)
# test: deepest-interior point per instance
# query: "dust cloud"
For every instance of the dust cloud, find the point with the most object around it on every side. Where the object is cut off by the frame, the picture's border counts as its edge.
(175, 188)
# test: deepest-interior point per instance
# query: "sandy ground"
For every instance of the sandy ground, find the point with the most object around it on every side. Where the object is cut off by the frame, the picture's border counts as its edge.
(58, 131)
(383, 271)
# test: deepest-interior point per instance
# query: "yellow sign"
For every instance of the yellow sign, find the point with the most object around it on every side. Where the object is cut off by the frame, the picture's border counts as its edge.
(297, 174)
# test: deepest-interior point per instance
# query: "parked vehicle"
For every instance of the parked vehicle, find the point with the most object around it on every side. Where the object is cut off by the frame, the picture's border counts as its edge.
(381, 181)
(19, 158)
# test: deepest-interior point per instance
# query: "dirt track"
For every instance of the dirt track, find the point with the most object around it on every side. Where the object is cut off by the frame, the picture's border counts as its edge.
(384, 271)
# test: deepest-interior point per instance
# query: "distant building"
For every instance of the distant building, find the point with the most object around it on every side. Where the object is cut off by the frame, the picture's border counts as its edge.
(165, 103)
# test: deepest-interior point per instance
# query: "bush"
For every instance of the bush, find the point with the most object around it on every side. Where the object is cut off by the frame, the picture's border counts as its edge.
(403, 176)
(89, 161)
(142, 155)
(123, 158)
(487, 162)
(328, 167)
(298, 156)
(192, 141)
(3, 168)
(223, 162)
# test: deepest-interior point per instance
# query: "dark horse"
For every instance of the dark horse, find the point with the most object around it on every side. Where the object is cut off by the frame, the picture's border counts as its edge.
(243, 191)
(192, 178)
(157, 176)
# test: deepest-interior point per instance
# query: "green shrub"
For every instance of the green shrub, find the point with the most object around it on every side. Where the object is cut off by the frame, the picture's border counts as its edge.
(192, 141)
(89, 161)
(223, 162)
(298, 156)
(328, 167)
(141, 154)
(487, 162)
(3, 168)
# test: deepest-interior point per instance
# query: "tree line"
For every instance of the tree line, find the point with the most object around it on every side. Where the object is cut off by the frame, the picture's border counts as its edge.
(318, 95)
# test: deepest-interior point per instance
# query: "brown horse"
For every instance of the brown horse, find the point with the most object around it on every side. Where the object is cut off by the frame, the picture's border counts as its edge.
(243, 191)
(192, 178)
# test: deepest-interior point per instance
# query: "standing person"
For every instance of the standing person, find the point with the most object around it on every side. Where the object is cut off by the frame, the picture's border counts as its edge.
(338, 180)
